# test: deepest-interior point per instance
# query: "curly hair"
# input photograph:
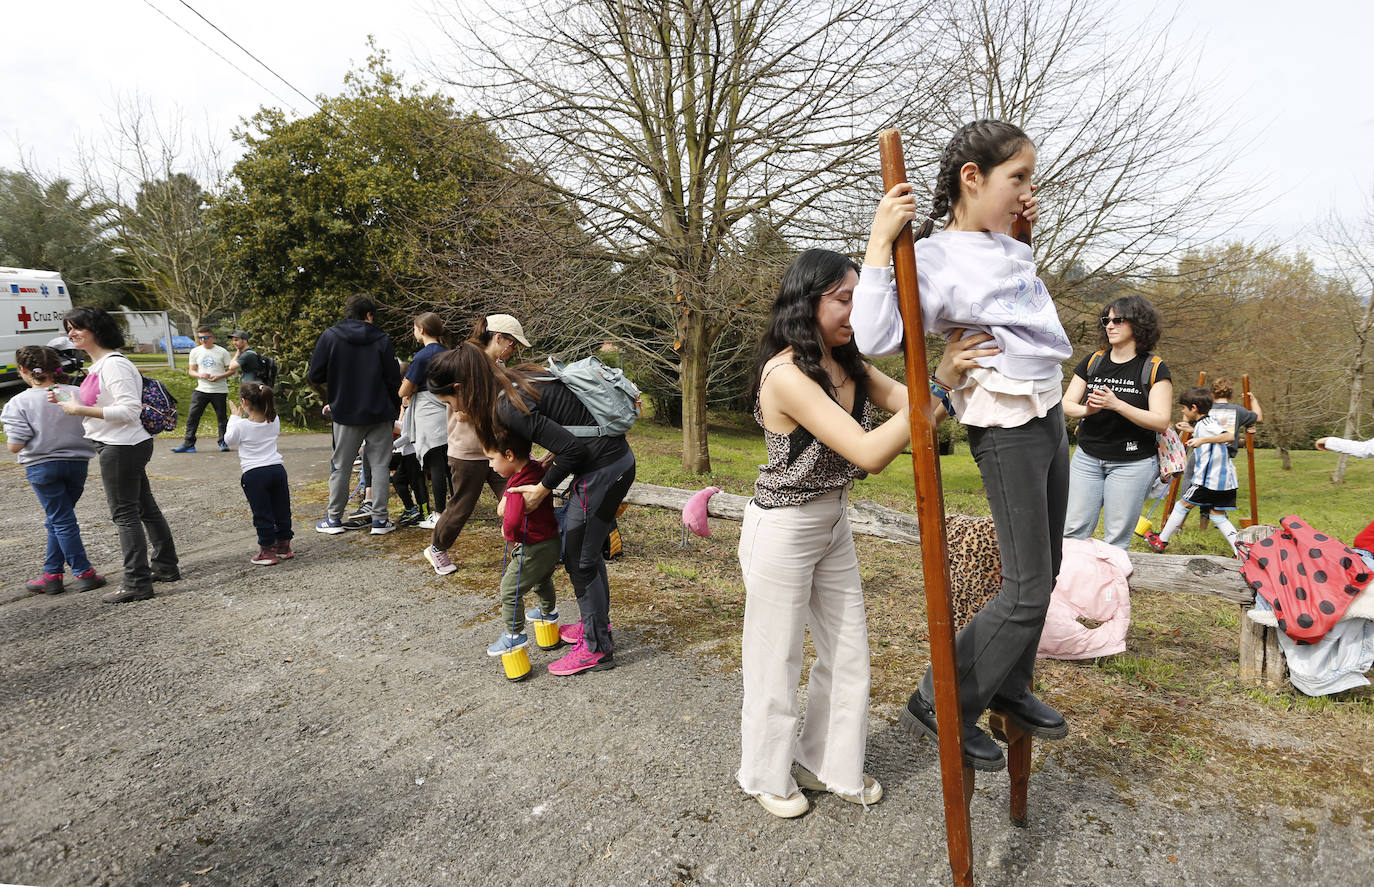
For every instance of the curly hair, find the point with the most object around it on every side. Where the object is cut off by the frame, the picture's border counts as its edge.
(1146, 324)
(984, 143)
(792, 320)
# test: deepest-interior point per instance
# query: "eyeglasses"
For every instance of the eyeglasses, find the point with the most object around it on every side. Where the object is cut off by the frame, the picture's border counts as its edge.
(1117, 321)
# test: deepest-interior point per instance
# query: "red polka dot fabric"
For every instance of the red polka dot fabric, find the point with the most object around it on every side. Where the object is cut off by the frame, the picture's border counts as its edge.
(1307, 577)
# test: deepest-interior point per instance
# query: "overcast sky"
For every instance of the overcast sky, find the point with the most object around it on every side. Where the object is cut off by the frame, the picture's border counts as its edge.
(1295, 76)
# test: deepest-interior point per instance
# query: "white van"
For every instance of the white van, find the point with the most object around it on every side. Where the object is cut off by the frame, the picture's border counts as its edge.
(31, 307)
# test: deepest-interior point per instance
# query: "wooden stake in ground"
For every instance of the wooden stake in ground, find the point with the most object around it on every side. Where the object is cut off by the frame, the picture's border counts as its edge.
(1250, 456)
(956, 779)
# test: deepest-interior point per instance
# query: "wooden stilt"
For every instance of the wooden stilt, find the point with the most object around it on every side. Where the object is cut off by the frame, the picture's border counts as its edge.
(956, 778)
(1019, 744)
(1250, 457)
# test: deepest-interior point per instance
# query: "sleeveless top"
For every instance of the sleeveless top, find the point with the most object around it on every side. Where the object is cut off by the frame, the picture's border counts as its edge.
(801, 468)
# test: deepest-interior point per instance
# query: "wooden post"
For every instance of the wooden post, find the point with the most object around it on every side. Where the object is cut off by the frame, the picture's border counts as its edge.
(956, 778)
(1178, 478)
(1250, 457)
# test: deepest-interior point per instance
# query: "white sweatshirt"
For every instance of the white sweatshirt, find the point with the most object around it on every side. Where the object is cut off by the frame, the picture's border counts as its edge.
(116, 386)
(1361, 449)
(976, 281)
(256, 442)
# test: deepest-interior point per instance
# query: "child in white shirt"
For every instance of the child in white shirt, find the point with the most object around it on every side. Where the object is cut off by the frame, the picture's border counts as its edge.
(253, 429)
(1214, 480)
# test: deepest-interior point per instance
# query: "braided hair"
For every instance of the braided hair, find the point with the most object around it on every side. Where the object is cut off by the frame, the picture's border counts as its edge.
(984, 143)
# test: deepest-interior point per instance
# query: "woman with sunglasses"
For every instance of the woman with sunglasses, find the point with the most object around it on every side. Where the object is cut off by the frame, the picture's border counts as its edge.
(1122, 400)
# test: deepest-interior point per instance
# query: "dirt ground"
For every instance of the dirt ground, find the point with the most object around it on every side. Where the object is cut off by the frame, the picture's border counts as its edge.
(335, 720)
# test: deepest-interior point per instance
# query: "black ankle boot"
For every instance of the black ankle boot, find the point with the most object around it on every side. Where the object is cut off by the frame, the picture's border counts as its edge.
(1032, 715)
(980, 751)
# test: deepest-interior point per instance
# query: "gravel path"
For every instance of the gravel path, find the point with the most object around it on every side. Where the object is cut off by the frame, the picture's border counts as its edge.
(335, 720)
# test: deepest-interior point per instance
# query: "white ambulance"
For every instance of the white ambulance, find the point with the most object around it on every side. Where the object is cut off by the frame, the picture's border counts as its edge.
(31, 307)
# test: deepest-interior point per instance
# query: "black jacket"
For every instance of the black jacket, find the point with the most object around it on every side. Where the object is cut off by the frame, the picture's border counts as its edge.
(355, 362)
(544, 425)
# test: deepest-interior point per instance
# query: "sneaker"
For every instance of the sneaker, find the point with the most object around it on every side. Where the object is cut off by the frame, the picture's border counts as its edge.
(282, 549)
(124, 595)
(265, 557)
(581, 659)
(571, 633)
(91, 580)
(1156, 543)
(331, 526)
(790, 807)
(538, 615)
(47, 583)
(223, 447)
(507, 642)
(358, 523)
(409, 518)
(438, 559)
(382, 527)
(429, 522)
(184, 448)
(872, 793)
(364, 510)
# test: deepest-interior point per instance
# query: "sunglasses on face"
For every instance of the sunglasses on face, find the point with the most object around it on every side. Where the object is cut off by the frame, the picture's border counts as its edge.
(1114, 321)
(203, 338)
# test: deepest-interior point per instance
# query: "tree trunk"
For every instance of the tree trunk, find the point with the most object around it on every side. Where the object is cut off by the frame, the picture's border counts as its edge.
(1352, 415)
(1286, 457)
(696, 360)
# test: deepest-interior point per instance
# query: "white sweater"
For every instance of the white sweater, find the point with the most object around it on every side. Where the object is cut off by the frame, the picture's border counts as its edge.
(1361, 449)
(256, 441)
(976, 281)
(120, 396)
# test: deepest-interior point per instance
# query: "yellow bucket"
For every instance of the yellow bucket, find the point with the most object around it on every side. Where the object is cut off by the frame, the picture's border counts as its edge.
(516, 663)
(546, 634)
(1142, 527)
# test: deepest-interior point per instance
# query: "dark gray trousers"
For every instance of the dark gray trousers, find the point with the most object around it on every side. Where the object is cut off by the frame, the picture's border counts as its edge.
(592, 503)
(1026, 475)
(123, 471)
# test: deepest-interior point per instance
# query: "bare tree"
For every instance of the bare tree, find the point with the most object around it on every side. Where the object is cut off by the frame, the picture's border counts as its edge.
(1129, 158)
(1351, 248)
(148, 173)
(674, 127)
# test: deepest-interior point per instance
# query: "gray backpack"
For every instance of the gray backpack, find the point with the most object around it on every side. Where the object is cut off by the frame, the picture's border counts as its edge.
(613, 400)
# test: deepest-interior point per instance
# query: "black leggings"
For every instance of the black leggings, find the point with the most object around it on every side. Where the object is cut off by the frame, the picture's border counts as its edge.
(407, 478)
(436, 468)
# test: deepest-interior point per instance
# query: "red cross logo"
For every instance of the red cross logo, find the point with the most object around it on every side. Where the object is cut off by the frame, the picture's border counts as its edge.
(24, 316)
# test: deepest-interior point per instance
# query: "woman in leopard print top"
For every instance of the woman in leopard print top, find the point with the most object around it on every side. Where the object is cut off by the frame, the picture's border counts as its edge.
(815, 402)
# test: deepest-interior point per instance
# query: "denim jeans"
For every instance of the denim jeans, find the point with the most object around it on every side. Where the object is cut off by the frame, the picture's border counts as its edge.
(59, 485)
(1114, 490)
(124, 472)
(1025, 471)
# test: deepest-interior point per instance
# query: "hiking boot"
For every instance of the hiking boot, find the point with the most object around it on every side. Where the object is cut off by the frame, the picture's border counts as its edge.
(282, 549)
(265, 557)
(507, 642)
(872, 793)
(331, 526)
(91, 580)
(47, 583)
(167, 576)
(124, 595)
(1156, 543)
(438, 559)
(184, 448)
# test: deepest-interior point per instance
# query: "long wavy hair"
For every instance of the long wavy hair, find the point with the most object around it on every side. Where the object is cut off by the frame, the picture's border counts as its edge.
(792, 320)
(1146, 324)
(477, 382)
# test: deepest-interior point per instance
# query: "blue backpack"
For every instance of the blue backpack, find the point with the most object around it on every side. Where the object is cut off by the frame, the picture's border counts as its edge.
(613, 400)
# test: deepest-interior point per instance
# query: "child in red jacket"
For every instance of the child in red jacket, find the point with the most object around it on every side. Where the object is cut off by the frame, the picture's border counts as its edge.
(537, 544)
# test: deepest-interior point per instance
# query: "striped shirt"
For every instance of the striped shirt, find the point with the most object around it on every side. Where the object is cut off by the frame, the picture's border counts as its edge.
(1214, 468)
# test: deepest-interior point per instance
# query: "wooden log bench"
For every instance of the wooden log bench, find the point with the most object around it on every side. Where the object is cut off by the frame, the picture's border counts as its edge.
(1261, 660)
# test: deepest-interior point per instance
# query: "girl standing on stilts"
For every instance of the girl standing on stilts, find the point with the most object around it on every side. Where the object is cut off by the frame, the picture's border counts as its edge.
(974, 276)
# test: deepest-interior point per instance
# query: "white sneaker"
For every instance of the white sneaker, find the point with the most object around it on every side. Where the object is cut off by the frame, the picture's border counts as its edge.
(872, 793)
(429, 522)
(438, 559)
(790, 807)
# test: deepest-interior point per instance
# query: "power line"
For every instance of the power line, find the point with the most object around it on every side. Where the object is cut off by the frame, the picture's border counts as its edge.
(245, 51)
(217, 53)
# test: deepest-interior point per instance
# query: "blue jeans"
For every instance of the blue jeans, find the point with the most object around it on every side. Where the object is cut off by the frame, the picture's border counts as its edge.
(59, 485)
(1114, 490)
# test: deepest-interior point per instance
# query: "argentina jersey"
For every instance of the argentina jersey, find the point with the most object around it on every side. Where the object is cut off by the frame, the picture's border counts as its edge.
(1213, 467)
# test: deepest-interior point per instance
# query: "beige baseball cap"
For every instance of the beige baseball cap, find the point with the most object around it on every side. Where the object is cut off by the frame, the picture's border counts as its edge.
(504, 323)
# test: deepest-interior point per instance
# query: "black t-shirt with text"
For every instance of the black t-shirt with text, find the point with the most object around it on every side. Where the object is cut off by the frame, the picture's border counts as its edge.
(1108, 435)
